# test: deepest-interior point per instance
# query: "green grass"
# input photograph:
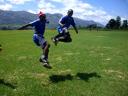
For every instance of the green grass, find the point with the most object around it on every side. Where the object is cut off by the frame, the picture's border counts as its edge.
(94, 64)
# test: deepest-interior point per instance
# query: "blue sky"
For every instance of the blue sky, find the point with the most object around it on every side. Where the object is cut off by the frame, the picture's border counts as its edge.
(97, 10)
(114, 7)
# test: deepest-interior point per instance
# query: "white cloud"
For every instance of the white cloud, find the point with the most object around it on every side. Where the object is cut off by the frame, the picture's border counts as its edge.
(31, 11)
(48, 7)
(97, 15)
(56, 0)
(5, 6)
(81, 9)
(18, 1)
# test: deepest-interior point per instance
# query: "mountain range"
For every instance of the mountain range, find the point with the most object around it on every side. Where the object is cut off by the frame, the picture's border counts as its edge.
(12, 18)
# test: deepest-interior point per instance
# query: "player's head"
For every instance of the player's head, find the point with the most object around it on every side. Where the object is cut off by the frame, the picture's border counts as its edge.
(42, 16)
(70, 12)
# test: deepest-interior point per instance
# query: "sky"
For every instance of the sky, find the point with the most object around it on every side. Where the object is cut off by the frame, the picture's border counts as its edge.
(97, 10)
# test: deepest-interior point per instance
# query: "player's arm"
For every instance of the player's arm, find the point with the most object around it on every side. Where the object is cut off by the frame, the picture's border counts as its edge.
(61, 24)
(23, 27)
(61, 21)
(75, 28)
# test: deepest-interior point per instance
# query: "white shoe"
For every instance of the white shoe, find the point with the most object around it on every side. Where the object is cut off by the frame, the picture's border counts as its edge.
(45, 63)
(54, 41)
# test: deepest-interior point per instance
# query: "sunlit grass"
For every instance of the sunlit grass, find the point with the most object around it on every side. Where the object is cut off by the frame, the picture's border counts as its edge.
(94, 64)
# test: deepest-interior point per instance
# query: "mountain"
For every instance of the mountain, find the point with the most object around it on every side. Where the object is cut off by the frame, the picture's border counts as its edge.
(16, 17)
(12, 18)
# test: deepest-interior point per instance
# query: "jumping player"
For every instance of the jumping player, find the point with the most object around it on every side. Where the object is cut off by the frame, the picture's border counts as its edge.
(38, 37)
(64, 24)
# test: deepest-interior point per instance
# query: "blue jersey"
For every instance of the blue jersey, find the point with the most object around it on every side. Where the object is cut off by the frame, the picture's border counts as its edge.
(39, 26)
(67, 21)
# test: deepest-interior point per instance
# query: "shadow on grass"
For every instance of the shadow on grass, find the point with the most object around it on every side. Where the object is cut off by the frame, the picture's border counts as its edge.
(87, 76)
(59, 78)
(3, 82)
(81, 76)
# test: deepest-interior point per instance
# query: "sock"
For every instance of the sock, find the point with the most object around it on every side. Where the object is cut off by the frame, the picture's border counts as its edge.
(42, 57)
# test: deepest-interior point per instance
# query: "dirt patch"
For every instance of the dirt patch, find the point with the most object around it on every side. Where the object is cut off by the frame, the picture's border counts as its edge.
(108, 59)
(37, 75)
(71, 53)
(59, 58)
(117, 73)
(22, 58)
(65, 71)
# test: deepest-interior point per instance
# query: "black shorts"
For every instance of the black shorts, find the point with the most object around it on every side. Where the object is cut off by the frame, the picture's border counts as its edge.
(67, 37)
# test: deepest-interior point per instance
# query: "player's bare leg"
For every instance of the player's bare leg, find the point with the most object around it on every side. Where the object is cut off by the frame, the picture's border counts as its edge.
(44, 57)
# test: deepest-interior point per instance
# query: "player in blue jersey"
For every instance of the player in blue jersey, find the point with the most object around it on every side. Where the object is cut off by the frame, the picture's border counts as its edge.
(38, 37)
(64, 24)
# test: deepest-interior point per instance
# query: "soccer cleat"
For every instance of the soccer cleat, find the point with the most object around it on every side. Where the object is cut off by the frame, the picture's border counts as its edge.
(43, 60)
(54, 41)
(45, 63)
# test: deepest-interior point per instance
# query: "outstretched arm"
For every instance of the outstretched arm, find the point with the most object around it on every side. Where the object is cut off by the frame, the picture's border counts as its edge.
(61, 24)
(24, 26)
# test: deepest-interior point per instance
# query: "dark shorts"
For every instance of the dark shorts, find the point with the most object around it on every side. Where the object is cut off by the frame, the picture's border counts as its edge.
(62, 29)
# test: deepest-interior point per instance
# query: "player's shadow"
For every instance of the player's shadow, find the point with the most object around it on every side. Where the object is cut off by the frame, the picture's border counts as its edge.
(59, 78)
(87, 76)
(78, 76)
(3, 82)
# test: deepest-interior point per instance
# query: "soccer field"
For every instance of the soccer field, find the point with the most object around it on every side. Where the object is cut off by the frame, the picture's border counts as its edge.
(94, 64)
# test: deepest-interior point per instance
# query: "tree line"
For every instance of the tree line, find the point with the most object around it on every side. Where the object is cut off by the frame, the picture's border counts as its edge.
(112, 24)
(117, 23)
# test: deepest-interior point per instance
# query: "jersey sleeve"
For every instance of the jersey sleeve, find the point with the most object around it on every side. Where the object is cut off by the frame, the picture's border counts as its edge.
(62, 20)
(33, 23)
(73, 22)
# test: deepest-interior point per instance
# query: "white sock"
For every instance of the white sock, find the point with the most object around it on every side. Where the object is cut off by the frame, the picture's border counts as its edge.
(42, 57)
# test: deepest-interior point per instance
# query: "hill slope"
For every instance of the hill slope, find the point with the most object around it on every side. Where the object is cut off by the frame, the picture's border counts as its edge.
(23, 17)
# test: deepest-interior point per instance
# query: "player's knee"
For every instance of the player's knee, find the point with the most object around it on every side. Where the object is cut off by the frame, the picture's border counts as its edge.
(46, 45)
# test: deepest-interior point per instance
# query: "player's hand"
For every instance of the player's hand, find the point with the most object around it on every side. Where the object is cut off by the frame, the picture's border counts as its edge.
(47, 22)
(77, 32)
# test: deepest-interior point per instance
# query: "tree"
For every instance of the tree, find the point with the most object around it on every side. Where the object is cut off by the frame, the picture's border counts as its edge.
(118, 22)
(107, 26)
(111, 24)
(125, 24)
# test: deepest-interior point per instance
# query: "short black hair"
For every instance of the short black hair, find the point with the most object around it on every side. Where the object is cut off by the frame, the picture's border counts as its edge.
(70, 12)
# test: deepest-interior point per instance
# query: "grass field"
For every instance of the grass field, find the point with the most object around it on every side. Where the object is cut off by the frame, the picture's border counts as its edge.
(94, 64)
